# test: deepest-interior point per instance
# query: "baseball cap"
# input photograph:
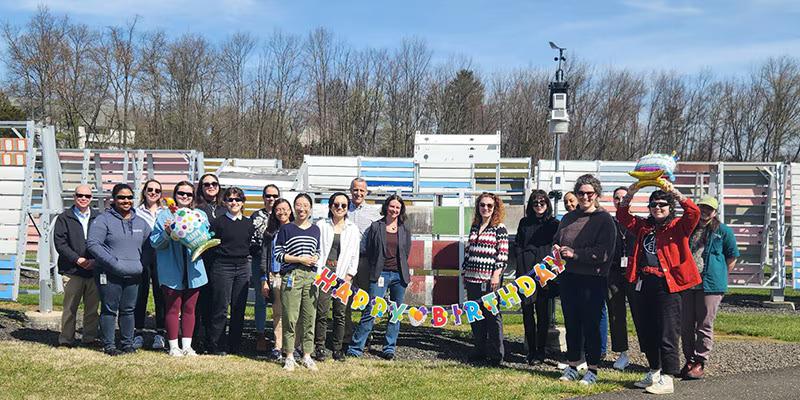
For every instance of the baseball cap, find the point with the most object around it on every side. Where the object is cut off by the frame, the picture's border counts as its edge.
(708, 200)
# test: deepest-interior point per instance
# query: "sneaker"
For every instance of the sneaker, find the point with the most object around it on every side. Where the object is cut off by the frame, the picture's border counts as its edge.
(138, 342)
(113, 352)
(338, 355)
(158, 342)
(189, 352)
(663, 385)
(276, 355)
(176, 352)
(649, 379)
(696, 372)
(583, 367)
(685, 369)
(129, 350)
(570, 375)
(289, 364)
(388, 356)
(309, 363)
(622, 361)
(589, 379)
(319, 354)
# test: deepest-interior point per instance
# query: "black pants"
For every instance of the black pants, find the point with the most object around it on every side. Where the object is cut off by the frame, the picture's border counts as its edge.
(658, 324)
(231, 284)
(487, 334)
(149, 277)
(619, 289)
(582, 298)
(536, 320)
(324, 301)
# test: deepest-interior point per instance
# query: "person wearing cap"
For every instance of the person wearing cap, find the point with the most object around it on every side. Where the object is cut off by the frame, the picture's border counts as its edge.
(714, 250)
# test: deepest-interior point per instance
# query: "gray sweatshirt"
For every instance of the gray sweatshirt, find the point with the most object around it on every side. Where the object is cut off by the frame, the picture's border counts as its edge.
(116, 243)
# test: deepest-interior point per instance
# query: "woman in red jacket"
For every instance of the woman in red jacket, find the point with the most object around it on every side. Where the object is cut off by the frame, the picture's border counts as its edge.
(662, 266)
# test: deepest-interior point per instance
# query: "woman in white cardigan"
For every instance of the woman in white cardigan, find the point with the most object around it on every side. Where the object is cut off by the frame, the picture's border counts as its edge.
(339, 248)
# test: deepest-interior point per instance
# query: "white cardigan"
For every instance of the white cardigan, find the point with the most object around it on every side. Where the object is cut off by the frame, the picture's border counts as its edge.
(349, 247)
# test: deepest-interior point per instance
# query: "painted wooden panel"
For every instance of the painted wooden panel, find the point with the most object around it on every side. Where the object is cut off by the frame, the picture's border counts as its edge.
(9, 217)
(445, 255)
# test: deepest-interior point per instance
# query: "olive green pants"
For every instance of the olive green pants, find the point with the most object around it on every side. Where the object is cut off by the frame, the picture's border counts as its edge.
(299, 305)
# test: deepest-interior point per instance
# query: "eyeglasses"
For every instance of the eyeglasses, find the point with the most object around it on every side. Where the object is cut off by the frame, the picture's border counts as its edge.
(210, 184)
(487, 205)
(121, 197)
(83, 196)
(271, 196)
(618, 198)
(184, 194)
(660, 204)
(153, 190)
(540, 203)
(233, 199)
(342, 206)
(580, 193)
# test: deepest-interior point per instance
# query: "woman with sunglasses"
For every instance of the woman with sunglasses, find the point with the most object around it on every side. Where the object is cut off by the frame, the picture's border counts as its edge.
(207, 198)
(149, 206)
(115, 240)
(339, 247)
(661, 267)
(270, 271)
(297, 249)
(230, 274)
(485, 259)
(181, 278)
(260, 220)
(585, 240)
(533, 241)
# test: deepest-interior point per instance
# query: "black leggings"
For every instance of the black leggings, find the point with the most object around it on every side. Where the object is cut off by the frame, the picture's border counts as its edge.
(582, 299)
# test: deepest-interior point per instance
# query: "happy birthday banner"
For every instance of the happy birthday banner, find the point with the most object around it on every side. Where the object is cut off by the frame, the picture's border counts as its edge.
(506, 297)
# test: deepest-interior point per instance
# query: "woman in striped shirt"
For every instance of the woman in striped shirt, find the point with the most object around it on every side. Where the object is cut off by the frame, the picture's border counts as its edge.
(297, 249)
(485, 258)
(148, 210)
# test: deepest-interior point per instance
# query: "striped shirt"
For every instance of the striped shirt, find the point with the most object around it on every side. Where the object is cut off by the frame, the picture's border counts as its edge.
(295, 241)
(485, 253)
(145, 214)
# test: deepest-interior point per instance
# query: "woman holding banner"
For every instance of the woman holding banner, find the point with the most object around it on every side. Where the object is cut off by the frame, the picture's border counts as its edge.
(585, 240)
(533, 242)
(388, 247)
(662, 266)
(485, 258)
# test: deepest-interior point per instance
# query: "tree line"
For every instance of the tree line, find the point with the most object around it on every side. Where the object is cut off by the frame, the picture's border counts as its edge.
(287, 95)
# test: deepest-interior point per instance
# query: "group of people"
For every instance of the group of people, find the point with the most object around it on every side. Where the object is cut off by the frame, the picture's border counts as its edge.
(671, 270)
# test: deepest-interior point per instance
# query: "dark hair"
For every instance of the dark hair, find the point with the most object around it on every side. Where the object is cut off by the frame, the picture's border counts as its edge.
(234, 191)
(143, 197)
(498, 213)
(304, 196)
(185, 183)
(272, 223)
(535, 195)
(264, 191)
(385, 207)
(200, 198)
(120, 187)
(712, 227)
(662, 195)
(332, 198)
(618, 189)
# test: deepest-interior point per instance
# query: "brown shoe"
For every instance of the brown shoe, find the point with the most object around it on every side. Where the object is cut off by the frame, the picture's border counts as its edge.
(686, 369)
(696, 372)
(261, 343)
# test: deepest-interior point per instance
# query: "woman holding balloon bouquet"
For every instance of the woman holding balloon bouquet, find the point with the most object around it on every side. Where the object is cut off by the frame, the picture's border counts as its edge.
(180, 277)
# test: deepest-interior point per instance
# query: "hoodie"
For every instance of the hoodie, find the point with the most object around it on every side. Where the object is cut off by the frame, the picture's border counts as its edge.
(116, 243)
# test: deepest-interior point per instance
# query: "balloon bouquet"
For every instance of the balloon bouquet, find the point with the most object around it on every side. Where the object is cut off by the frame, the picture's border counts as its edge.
(655, 170)
(189, 229)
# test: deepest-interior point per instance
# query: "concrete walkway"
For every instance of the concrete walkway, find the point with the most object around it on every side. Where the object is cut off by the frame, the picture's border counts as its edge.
(775, 384)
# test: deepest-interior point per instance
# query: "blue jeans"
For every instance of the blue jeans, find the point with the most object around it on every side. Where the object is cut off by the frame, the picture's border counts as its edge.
(397, 292)
(117, 297)
(260, 308)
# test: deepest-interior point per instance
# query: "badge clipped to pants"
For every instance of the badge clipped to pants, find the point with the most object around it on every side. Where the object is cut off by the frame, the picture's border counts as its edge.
(103, 279)
(638, 285)
(380, 282)
(623, 262)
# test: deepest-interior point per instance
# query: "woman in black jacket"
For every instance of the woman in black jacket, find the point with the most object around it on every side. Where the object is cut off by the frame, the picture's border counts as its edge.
(533, 242)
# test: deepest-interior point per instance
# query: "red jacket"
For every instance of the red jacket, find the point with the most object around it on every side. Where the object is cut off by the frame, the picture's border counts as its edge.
(672, 246)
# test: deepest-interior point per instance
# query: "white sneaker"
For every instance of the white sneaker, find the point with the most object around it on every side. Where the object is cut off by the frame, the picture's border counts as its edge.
(158, 342)
(176, 352)
(309, 363)
(289, 364)
(582, 367)
(662, 386)
(589, 379)
(649, 379)
(189, 352)
(622, 361)
(570, 375)
(138, 342)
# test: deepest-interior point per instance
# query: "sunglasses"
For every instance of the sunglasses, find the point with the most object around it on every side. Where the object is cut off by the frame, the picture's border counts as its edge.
(487, 205)
(233, 199)
(184, 194)
(121, 197)
(342, 206)
(83, 196)
(618, 198)
(210, 184)
(584, 194)
(271, 196)
(153, 190)
(540, 203)
(660, 204)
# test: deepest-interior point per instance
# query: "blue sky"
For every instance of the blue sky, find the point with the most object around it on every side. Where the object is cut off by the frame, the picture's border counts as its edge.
(730, 37)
